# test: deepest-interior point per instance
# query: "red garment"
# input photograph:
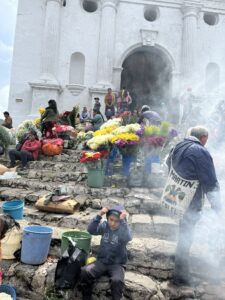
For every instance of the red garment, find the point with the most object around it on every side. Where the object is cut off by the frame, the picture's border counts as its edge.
(32, 146)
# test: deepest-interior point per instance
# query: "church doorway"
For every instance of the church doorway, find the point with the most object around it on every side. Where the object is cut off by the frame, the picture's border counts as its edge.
(146, 75)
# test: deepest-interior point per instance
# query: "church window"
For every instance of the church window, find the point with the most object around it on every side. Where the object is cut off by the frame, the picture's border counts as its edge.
(151, 13)
(212, 77)
(211, 19)
(77, 65)
(90, 5)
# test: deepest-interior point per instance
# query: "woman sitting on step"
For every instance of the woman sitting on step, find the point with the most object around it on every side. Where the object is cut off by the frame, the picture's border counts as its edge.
(27, 152)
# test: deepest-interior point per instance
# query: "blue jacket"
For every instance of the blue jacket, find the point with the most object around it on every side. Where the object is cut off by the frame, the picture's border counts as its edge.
(192, 161)
(113, 243)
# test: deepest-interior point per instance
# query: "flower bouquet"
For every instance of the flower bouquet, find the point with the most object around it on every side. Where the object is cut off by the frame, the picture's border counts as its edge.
(127, 143)
(96, 166)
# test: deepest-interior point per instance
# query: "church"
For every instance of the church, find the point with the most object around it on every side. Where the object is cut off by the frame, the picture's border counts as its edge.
(73, 50)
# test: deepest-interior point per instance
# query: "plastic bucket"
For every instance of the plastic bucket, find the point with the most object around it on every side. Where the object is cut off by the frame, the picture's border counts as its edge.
(35, 244)
(7, 289)
(127, 160)
(149, 161)
(96, 177)
(82, 239)
(14, 208)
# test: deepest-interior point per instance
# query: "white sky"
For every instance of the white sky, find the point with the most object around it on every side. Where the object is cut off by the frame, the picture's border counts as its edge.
(8, 10)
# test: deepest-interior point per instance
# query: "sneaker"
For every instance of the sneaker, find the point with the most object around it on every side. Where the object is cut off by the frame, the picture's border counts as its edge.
(11, 165)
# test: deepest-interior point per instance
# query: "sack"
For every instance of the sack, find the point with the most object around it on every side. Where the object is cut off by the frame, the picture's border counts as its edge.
(178, 193)
(52, 150)
(68, 268)
(58, 142)
(68, 206)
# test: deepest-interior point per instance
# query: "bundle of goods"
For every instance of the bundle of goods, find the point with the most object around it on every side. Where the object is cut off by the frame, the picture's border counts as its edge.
(57, 203)
(52, 147)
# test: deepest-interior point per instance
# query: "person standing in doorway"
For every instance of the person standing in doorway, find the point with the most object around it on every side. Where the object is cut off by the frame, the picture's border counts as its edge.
(110, 101)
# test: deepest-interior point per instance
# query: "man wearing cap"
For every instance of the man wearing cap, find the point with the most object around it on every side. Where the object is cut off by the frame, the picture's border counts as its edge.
(112, 254)
(149, 117)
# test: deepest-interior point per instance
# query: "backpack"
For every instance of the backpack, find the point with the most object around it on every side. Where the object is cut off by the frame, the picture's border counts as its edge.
(69, 266)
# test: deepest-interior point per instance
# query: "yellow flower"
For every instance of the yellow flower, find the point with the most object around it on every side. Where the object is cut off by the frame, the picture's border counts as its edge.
(126, 137)
(41, 110)
(104, 130)
(114, 122)
(99, 140)
(37, 121)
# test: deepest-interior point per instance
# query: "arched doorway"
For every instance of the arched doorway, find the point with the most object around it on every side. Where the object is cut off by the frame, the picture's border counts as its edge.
(147, 75)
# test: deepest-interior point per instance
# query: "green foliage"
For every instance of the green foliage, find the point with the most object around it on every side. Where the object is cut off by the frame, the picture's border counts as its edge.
(73, 115)
(52, 294)
(164, 129)
(5, 138)
(151, 130)
(24, 128)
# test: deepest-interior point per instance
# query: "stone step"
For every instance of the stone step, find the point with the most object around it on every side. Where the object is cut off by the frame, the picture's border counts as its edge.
(56, 175)
(32, 282)
(156, 226)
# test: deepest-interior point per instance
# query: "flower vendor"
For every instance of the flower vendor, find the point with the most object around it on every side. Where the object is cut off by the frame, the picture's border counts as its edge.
(49, 119)
(149, 117)
(112, 255)
(84, 116)
(192, 167)
(97, 119)
(29, 151)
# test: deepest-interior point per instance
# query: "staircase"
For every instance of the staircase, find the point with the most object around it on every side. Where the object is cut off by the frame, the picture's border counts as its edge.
(151, 252)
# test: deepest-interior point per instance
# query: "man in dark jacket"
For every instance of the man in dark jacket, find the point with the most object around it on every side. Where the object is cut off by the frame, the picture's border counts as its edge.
(191, 160)
(149, 117)
(112, 255)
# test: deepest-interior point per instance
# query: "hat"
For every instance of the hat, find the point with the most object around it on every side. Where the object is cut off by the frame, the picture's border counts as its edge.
(96, 98)
(145, 107)
(116, 211)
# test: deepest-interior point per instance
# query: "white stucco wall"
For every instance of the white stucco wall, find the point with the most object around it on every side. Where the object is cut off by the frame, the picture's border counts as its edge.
(79, 32)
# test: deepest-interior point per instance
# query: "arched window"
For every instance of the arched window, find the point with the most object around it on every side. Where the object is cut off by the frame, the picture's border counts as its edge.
(77, 65)
(212, 77)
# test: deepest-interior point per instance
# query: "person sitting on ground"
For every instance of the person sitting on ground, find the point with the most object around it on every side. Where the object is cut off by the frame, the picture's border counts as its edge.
(49, 119)
(97, 120)
(8, 120)
(97, 104)
(149, 117)
(112, 255)
(29, 151)
(84, 115)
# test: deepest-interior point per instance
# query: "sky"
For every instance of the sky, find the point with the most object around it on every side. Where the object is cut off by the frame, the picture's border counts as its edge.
(8, 10)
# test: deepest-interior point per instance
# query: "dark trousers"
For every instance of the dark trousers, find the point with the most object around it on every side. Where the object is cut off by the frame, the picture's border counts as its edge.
(93, 271)
(186, 235)
(24, 156)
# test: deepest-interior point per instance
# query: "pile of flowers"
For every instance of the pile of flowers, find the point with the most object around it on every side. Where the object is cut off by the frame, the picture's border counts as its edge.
(37, 121)
(127, 143)
(156, 136)
(93, 159)
(24, 128)
(87, 156)
(100, 142)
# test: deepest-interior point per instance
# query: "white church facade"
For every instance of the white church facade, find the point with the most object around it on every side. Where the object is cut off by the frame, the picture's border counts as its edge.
(73, 50)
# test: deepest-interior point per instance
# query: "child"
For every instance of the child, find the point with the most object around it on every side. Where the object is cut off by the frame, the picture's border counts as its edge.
(112, 255)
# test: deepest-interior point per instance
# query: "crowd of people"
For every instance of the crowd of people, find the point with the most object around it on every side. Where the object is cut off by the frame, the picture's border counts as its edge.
(189, 159)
